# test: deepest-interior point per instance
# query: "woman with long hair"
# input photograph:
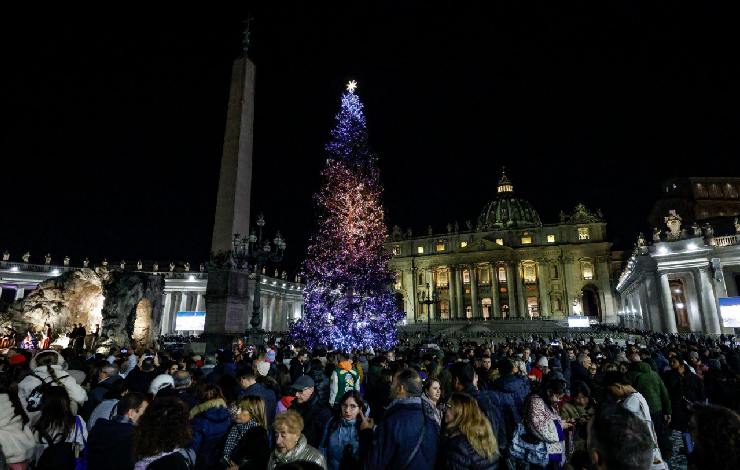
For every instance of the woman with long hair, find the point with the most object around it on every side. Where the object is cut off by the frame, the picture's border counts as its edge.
(468, 441)
(340, 443)
(48, 367)
(162, 435)
(210, 420)
(57, 423)
(247, 444)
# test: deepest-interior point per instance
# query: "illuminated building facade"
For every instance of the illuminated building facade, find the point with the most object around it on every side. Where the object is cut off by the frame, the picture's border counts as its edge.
(509, 265)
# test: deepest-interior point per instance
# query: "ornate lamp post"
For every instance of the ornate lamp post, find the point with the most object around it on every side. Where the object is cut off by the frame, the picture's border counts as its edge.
(255, 251)
(426, 299)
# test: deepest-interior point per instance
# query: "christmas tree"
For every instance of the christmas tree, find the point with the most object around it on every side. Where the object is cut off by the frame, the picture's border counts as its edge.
(348, 303)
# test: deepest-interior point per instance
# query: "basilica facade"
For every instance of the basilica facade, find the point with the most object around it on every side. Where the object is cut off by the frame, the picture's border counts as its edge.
(508, 265)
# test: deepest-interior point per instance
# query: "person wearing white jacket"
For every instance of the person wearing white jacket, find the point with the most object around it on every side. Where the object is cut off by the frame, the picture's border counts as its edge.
(48, 366)
(16, 437)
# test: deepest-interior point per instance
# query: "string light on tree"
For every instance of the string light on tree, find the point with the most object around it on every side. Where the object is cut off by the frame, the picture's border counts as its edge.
(348, 301)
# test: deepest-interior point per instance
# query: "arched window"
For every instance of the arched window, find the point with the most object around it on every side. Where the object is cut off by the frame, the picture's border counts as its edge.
(486, 304)
(442, 278)
(466, 276)
(468, 311)
(501, 274)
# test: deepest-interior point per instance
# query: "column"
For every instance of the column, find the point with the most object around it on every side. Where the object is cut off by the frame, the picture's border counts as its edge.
(708, 303)
(20, 292)
(166, 314)
(199, 304)
(432, 309)
(607, 308)
(460, 293)
(415, 295)
(543, 282)
(410, 291)
(521, 298)
(669, 316)
(570, 284)
(452, 289)
(511, 287)
(183, 301)
(495, 294)
(474, 290)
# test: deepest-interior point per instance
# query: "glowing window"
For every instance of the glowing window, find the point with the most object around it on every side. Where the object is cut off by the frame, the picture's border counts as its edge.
(468, 311)
(551, 238)
(587, 269)
(396, 250)
(500, 241)
(484, 276)
(466, 276)
(439, 246)
(442, 279)
(420, 250)
(584, 233)
(501, 274)
(463, 244)
(530, 272)
(444, 309)
(526, 239)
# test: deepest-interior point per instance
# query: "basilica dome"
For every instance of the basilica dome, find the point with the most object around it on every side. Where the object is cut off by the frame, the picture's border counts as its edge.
(508, 210)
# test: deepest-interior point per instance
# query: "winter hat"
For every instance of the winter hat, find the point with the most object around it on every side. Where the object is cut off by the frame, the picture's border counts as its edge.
(542, 361)
(263, 368)
(60, 359)
(270, 356)
(694, 355)
(160, 382)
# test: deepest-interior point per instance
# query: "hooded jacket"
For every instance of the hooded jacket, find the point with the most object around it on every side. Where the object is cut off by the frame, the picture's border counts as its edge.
(651, 386)
(77, 394)
(16, 438)
(210, 422)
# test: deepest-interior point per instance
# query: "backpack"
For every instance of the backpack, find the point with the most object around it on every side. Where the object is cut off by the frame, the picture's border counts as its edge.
(37, 394)
(64, 455)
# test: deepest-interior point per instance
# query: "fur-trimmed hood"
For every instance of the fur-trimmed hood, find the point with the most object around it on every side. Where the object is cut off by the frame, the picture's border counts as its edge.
(205, 406)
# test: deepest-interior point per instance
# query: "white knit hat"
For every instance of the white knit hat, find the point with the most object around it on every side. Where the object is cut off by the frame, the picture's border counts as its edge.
(161, 381)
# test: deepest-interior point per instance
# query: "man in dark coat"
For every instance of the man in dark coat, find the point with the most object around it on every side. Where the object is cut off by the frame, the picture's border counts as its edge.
(110, 443)
(141, 376)
(315, 414)
(516, 385)
(407, 437)
(499, 408)
(299, 365)
(107, 376)
(249, 387)
(579, 371)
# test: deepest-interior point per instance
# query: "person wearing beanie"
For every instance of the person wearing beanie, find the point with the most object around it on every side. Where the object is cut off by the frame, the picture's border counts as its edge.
(540, 369)
(160, 382)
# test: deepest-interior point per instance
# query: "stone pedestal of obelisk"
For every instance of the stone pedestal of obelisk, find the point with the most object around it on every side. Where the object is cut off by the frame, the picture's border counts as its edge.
(227, 294)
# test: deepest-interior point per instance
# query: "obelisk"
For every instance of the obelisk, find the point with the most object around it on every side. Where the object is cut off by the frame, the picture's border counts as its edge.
(227, 293)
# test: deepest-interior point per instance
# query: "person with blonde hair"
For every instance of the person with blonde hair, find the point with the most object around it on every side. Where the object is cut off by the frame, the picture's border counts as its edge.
(247, 445)
(468, 441)
(291, 444)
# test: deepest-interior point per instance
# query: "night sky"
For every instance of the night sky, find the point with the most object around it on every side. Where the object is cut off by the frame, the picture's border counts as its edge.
(114, 126)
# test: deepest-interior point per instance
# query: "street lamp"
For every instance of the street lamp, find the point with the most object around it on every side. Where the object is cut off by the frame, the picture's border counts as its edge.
(255, 251)
(429, 298)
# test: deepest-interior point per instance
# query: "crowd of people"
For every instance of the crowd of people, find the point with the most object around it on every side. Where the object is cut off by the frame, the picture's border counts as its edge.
(654, 401)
